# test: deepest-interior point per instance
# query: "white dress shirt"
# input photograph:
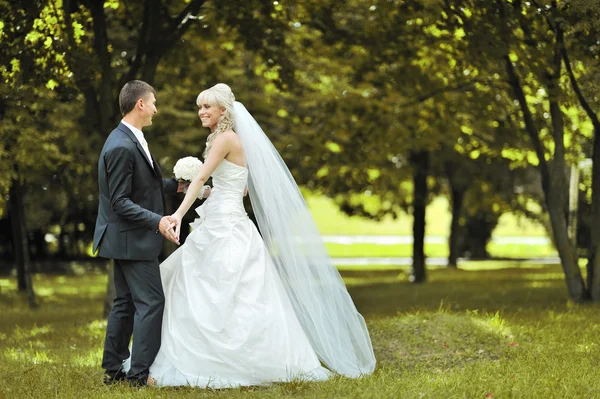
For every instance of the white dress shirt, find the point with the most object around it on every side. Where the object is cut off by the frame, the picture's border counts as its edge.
(140, 136)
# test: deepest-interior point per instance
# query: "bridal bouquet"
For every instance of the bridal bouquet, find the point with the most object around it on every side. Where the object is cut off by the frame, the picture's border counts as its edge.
(187, 168)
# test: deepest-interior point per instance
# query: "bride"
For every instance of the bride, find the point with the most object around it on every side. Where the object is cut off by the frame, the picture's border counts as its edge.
(241, 309)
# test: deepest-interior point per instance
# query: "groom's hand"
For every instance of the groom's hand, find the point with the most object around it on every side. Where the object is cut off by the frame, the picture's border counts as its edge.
(167, 228)
(177, 221)
(182, 186)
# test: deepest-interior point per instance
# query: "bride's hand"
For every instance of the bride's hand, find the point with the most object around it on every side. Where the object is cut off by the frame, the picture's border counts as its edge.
(177, 220)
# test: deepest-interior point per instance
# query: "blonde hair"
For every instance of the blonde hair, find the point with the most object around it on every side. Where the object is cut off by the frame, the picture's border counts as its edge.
(219, 95)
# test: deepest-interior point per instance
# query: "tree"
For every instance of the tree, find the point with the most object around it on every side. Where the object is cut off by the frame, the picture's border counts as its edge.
(88, 49)
(579, 20)
(32, 131)
(521, 48)
(408, 66)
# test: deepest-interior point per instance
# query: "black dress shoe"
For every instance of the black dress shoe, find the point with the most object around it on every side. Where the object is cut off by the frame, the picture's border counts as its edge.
(111, 377)
(139, 382)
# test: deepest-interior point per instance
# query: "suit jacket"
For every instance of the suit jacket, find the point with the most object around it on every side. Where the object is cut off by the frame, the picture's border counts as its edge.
(131, 199)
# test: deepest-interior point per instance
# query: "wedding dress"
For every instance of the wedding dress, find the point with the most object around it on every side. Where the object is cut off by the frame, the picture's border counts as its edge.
(228, 320)
(248, 309)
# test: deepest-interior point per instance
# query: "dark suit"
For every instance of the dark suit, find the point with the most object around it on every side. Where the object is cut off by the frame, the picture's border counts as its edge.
(131, 204)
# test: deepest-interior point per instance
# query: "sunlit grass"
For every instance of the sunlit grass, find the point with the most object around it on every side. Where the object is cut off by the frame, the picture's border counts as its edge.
(436, 250)
(331, 221)
(492, 328)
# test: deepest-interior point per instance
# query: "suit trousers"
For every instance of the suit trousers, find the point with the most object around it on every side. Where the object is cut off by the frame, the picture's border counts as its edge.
(138, 310)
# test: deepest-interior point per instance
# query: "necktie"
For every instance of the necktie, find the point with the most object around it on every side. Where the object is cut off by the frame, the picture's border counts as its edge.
(144, 144)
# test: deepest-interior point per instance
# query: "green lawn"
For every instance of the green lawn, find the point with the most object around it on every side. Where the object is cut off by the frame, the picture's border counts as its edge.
(331, 221)
(437, 250)
(503, 332)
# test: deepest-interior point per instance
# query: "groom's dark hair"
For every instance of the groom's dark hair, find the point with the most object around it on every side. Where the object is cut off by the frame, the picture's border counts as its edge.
(131, 92)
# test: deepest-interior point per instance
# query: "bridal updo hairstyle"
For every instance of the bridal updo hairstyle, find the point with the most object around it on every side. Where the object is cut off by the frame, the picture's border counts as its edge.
(219, 95)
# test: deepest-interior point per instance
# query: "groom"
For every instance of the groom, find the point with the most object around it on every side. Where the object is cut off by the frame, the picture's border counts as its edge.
(130, 209)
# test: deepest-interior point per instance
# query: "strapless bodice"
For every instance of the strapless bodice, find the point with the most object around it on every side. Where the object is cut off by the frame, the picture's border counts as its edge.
(227, 194)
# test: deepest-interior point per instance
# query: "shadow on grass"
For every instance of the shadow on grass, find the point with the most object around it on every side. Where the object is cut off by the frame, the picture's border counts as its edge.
(440, 340)
(386, 293)
(459, 317)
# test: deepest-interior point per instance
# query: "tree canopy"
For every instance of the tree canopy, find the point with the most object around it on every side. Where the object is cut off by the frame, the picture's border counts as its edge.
(397, 101)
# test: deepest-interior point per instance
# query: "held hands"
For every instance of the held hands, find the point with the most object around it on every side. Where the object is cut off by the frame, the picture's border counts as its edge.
(182, 186)
(204, 191)
(177, 219)
(169, 227)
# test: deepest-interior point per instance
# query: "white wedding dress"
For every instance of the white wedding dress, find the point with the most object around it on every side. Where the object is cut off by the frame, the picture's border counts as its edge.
(228, 320)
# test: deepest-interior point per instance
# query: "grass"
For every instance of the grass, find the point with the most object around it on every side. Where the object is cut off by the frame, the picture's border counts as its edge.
(331, 221)
(505, 332)
(436, 250)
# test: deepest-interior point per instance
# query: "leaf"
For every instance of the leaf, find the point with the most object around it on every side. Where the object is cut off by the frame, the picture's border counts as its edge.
(114, 4)
(51, 84)
(333, 147)
(228, 46)
(78, 31)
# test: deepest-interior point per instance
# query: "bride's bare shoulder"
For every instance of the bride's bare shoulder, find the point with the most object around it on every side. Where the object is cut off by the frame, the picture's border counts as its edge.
(230, 135)
(228, 139)
(226, 136)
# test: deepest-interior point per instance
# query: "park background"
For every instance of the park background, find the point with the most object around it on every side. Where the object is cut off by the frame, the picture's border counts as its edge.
(447, 149)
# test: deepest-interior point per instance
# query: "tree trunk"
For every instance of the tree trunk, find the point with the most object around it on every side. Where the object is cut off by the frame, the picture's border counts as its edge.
(17, 232)
(21, 250)
(420, 161)
(40, 245)
(593, 264)
(106, 103)
(553, 179)
(565, 249)
(149, 71)
(477, 233)
(62, 245)
(573, 203)
(458, 187)
(454, 242)
(556, 195)
(73, 249)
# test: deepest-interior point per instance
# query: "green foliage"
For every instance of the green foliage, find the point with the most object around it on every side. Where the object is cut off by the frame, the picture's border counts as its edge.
(529, 42)
(346, 90)
(38, 140)
(31, 35)
(55, 120)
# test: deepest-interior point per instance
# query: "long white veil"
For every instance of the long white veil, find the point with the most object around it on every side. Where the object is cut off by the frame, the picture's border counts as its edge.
(336, 330)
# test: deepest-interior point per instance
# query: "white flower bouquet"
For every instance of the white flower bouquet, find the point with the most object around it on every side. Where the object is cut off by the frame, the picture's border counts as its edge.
(187, 168)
